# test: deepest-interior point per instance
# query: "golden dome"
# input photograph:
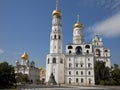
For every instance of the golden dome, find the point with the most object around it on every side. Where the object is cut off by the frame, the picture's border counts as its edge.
(24, 56)
(56, 12)
(79, 25)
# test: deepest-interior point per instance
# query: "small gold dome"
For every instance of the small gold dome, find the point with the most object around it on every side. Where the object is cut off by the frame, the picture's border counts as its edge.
(24, 56)
(56, 12)
(79, 25)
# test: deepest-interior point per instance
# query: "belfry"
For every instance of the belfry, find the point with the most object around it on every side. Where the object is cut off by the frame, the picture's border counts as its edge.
(76, 65)
(55, 59)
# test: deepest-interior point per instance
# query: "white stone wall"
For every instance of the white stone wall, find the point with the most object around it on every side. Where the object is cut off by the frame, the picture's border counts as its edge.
(56, 68)
(76, 71)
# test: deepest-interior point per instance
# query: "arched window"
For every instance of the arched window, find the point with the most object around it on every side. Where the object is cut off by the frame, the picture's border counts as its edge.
(69, 52)
(70, 47)
(106, 50)
(81, 65)
(78, 50)
(87, 46)
(87, 51)
(76, 80)
(54, 60)
(98, 52)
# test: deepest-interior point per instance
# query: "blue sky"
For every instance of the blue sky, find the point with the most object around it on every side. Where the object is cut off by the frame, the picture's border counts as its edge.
(25, 25)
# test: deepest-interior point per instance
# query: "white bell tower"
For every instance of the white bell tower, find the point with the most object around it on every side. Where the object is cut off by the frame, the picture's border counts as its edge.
(78, 37)
(55, 59)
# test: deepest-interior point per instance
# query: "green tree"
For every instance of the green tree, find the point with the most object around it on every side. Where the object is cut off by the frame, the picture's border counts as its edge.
(7, 75)
(102, 73)
(20, 78)
(115, 74)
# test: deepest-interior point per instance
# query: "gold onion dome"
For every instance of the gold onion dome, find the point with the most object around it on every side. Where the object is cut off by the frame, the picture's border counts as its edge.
(56, 12)
(24, 56)
(78, 24)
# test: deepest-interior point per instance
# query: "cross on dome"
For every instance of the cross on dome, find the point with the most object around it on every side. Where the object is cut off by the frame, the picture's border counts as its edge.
(56, 4)
(78, 18)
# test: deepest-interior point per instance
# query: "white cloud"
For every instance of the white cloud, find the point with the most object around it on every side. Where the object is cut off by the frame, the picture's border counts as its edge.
(112, 5)
(1, 51)
(109, 27)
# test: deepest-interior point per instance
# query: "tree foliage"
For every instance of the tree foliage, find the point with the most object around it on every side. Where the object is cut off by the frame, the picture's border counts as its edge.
(101, 72)
(115, 74)
(7, 75)
(105, 75)
(22, 78)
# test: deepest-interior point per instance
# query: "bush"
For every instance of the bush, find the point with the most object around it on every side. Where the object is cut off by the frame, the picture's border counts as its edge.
(102, 82)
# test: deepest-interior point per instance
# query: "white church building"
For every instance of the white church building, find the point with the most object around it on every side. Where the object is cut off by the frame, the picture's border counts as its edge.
(76, 66)
(27, 67)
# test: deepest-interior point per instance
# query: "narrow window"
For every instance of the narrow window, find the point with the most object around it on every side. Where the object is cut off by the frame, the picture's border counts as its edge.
(81, 80)
(70, 65)
(76, 64)
(69, 59)
(106, 54)
(81, 72)
(88, 59)
(55, 37)
(76, 80)
(81, 65)
(89, 73)
(89, 64)
(76, 72)
(69, 72)
(87, 51)
(69, 52)
(48, 60)
(59, 36)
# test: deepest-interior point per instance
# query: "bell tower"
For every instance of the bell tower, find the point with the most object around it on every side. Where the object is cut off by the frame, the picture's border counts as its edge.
(78, 37)
(55, 58)
(56, 33)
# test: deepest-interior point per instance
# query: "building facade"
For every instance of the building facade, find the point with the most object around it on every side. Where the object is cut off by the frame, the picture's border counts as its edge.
(26, 67)
(76, 66)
